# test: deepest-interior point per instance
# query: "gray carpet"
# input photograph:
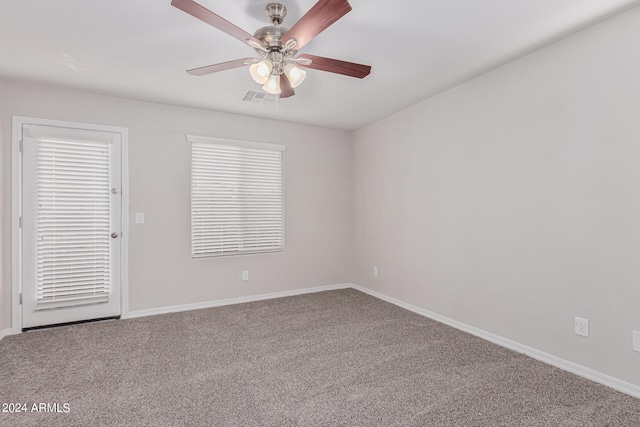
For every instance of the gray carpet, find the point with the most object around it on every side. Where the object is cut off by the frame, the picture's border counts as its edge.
(338, 358)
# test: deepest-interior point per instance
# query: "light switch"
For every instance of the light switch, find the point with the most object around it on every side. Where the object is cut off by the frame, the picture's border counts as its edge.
(636, 340)
(139, 218)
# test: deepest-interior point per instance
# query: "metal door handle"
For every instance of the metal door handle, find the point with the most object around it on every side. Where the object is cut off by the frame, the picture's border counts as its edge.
(114, 235)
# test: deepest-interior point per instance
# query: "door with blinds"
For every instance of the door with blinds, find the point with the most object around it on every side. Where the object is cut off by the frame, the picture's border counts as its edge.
(71, 240)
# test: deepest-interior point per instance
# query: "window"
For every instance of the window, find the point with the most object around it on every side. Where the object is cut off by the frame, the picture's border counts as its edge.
(237, 204)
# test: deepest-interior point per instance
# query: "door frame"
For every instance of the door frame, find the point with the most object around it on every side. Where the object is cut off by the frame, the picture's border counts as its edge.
(16, 210)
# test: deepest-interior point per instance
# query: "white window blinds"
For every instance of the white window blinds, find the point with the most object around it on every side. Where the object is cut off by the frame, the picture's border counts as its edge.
(73, 222)
(237, 200)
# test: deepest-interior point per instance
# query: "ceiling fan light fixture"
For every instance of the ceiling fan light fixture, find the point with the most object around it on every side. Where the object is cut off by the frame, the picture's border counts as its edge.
(296, 75)
(261, 71)
(272, 86)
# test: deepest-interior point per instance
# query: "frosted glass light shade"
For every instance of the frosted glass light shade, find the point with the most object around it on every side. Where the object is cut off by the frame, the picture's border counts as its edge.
(261, 71)
(273, 85)
(295, 74)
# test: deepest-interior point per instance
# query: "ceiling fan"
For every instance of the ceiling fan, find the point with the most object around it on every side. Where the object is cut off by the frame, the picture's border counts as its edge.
(278, 68)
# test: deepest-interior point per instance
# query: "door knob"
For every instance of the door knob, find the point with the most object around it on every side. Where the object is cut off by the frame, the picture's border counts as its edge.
(114, 235)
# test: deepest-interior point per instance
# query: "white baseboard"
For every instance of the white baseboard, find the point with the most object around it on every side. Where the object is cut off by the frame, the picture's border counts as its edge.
(230, 301)
(550, 359)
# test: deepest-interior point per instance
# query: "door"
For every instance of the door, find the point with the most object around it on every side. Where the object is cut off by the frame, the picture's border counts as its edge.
(71, 231)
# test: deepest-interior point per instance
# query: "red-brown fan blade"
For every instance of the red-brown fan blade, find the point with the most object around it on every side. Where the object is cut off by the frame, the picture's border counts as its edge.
(350, 69)
(221, 66)
(285, 87)
(316, 20)
(205, 15)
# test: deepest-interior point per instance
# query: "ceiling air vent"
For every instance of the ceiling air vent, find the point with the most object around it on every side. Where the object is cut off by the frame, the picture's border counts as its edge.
(256, 97)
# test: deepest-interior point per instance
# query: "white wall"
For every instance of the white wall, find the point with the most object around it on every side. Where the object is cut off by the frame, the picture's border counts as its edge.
(317, 198)
(512, 202)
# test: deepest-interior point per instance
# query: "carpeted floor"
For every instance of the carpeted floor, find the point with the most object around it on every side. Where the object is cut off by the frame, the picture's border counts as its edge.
(338, 358)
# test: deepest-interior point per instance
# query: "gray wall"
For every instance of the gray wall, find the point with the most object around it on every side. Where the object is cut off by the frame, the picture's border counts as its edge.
(317, 198)
(512, 202)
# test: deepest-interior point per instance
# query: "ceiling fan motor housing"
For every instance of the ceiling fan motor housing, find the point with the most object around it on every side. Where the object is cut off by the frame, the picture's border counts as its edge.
(271, 37)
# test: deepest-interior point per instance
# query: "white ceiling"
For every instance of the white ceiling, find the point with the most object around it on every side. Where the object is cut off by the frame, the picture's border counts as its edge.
(140, 49)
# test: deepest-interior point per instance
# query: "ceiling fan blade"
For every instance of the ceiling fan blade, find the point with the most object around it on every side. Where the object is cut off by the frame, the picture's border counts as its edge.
(316, 20)
(285, 87)
(205, 15)
(221, 66)
(350, 69)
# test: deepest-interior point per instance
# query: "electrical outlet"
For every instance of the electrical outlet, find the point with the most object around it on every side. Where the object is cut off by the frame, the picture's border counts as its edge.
(636, 341)
(245, 274)
(582, 327)
(375, 271)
